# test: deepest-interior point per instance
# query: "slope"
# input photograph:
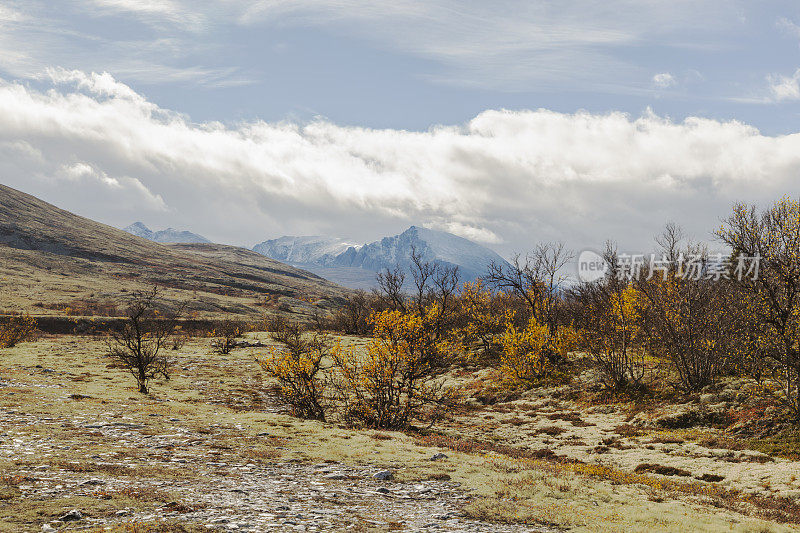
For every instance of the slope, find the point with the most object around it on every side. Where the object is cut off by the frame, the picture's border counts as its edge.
(51, 259)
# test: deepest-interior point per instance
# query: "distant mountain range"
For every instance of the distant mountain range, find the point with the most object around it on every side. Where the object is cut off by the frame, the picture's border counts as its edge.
(165, 235)
(312, 249)
(357, 266)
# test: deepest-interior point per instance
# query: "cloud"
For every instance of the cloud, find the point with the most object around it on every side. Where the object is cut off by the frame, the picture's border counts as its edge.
(155, 12)
(132, 188)
(145, 41)
(102, 84)
(92, 144)
(788, 27)
(785, 87)
(472, 233)
(664, 80)
(507, 45)
(511, 44)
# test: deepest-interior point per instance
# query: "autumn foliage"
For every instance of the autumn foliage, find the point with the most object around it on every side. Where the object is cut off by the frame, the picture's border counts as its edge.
(297, 364)
(16, 329)
(533, 354)
(395, 382)
(532, 326)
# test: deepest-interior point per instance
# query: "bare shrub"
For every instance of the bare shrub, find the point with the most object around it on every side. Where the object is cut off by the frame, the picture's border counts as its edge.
(685, 314)
(537, 282)
(146, 330)
(354, 317)
(606, 315)
(225, 334)
(178, 341)
(432, 298)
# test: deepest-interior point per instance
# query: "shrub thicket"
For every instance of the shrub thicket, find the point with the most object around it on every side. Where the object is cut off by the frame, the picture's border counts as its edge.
(16, 329)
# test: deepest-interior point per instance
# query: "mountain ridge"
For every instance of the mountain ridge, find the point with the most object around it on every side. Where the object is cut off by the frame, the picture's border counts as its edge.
(168, 235)
(356, 266)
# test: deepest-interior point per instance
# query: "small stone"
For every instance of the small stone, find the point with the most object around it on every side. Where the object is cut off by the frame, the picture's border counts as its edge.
(72, 516)
(92, 482)
(48, 528)
(335, 476)
(384, 490)
(438, 456)
(384, 475)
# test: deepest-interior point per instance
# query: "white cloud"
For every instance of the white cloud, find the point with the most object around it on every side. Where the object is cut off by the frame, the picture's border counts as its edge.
(504, 45)
(785, 87)
(156, 12)
(472, 233)
(664, 80)
(515, 176)
(102, 84)
(130, 191)
(788, 27)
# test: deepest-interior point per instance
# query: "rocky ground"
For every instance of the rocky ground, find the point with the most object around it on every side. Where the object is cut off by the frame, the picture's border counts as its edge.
(220, 490)
(679, 439)
(213, 448)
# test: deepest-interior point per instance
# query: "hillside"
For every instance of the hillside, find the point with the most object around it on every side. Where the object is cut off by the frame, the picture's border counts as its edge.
(51, 259)
(356, 266)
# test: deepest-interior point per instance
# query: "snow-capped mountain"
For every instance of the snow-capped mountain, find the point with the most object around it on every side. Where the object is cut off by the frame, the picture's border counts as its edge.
(356, 266)
(164, 235)
(311, 249)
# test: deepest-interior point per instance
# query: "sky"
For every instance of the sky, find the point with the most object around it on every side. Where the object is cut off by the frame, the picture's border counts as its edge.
(506, 122)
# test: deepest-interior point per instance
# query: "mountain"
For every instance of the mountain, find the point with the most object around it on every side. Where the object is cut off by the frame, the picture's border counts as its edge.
(164, 235)
(51, 259)
(310, 250)
(356, 267)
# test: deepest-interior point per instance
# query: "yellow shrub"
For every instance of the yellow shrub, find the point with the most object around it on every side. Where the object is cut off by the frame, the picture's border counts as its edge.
(532, 354)
(393, 383)
(485, 316)
(299, 373)
(16, 329)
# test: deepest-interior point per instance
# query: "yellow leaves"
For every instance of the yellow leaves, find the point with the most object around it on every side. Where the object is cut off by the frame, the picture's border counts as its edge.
(298, 375)
(393, 382)
(529, 354)
(16, 329)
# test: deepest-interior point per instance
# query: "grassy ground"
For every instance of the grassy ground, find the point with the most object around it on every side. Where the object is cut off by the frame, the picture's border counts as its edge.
(57, 388)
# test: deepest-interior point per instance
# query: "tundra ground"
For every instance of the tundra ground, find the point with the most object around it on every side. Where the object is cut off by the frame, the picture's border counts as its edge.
(214, 448)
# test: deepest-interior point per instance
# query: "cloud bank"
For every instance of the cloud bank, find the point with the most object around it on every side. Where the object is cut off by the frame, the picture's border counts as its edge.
(93, 145)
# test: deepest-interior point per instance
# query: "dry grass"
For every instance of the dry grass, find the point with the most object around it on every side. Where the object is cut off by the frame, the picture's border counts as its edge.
(509, 482)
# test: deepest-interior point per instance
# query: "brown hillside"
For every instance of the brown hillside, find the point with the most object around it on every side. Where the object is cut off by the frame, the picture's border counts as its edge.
(55, 262)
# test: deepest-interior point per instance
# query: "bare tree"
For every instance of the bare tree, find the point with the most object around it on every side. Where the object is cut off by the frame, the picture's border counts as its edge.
(537, 280)
(683, 313)
(146, 330)
(225, 334)
(390, 288)
(605, 313)
(772, 238)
